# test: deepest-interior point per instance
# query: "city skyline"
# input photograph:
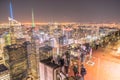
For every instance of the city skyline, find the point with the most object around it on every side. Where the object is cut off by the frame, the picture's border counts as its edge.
(98, 11)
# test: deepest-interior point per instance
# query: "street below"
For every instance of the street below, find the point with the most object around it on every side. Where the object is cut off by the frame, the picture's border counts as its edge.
(105, 65)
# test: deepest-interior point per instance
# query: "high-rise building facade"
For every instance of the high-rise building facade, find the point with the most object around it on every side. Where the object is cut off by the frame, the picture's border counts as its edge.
(18, 62)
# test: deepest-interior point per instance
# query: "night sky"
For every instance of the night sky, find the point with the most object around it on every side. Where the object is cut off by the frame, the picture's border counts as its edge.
(62, 10)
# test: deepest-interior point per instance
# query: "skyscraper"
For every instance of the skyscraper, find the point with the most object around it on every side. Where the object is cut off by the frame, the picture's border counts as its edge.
(18, 61)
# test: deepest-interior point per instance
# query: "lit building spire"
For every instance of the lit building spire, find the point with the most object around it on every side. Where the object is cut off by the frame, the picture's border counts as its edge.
(33, 23)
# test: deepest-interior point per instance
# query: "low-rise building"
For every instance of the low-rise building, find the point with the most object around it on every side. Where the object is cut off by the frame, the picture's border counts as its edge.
(4, 72)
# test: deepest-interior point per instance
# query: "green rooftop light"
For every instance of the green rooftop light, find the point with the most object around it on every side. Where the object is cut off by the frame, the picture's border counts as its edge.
(33, 23)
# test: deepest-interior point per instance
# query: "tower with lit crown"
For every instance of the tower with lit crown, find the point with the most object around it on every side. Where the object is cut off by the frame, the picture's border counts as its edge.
(11, 24)
(33, 55)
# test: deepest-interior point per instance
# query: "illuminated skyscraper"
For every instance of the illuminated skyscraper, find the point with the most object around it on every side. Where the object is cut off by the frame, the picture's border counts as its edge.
(11, 24)
(17, 61)
(15, 27)
(33, 53)
(2, 45)
(4, 72)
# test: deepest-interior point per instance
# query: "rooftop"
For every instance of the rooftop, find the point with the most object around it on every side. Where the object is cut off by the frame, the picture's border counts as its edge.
(49, 63)
(3, 68)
